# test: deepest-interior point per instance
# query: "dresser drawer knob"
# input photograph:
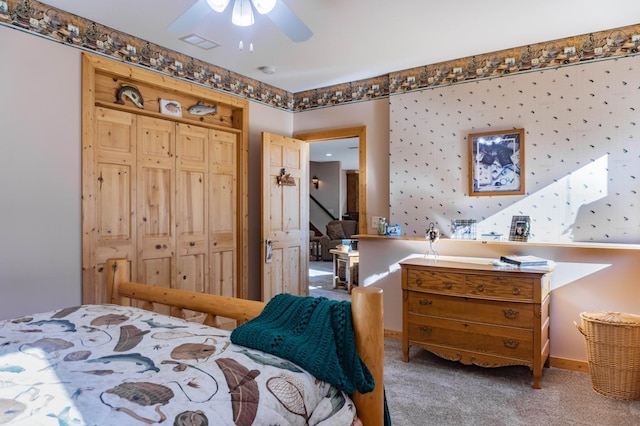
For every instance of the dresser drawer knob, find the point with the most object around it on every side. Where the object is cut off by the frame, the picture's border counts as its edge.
(448, 285)
(425, 302)
(510, 313)
(192, 243)
(419, 281)
(516, 291)
(480, 287)
(511, 344)
(426, 330)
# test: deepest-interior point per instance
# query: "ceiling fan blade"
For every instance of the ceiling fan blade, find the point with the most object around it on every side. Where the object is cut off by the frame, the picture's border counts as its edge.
(289, 23)
(190, 17)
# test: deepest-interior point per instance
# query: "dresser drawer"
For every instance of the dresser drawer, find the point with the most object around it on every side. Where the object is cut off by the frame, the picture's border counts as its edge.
(484, 339)
(441, 282)
(512, 314)
(500, 287)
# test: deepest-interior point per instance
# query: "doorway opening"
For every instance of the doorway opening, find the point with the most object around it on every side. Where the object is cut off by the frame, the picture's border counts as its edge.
(345, 138)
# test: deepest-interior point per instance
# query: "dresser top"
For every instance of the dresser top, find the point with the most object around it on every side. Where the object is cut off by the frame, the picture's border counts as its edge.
(461, 266)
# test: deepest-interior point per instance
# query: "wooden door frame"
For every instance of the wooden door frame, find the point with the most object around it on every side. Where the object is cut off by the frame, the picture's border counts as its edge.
(359, 132)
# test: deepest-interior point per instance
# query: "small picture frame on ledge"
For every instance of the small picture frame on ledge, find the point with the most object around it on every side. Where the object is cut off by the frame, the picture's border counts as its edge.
(463, 229)
(520, 228)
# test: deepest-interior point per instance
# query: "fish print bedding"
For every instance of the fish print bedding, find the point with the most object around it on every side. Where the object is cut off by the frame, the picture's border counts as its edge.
(115, 365)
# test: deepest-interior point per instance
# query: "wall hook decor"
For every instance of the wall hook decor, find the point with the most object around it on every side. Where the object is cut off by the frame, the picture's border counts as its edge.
(285, 179)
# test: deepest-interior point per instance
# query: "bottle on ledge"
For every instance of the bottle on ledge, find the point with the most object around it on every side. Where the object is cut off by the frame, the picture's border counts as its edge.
(382, 226)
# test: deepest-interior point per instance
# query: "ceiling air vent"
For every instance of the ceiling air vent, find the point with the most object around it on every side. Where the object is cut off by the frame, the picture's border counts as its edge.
(200, 42)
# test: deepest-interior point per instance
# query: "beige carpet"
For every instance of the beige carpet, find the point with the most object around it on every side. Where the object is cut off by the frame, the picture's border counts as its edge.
(321, 282)
(432, 391)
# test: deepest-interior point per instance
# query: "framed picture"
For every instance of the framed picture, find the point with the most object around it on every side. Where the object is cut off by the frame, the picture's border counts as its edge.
(394, 230)
(169, 107)
(463, 229)
(520, 228)
(496, 163)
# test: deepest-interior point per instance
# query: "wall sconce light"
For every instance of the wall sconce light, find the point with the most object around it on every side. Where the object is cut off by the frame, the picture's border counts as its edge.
(315, 181)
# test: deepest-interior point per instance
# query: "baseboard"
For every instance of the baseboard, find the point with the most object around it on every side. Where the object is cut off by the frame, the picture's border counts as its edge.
(569, 364)
(392, 334)
(564, 363)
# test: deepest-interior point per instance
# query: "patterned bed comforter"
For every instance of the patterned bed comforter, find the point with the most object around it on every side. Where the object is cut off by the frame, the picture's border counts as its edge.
(115, 365)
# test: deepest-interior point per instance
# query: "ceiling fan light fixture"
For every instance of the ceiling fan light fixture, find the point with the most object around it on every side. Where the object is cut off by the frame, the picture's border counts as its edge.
(264, 6)
(242, 15)
(218, 5)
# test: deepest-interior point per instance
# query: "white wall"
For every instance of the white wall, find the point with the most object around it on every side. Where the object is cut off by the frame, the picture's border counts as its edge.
(330, 191)
(40, 176)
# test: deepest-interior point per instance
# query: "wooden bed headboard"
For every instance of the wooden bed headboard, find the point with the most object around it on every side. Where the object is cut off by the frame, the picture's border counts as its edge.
(366, 308)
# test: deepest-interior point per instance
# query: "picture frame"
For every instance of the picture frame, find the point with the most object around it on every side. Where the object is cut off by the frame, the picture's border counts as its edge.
(496, 163)
(394, 230)
(520, 228)
(169, 107)
(463, 229)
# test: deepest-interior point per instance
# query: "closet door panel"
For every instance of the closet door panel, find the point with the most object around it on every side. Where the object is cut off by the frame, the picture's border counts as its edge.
(192, 148)
(114, 201)
(156, 202)
(222, 277)
(222, 212)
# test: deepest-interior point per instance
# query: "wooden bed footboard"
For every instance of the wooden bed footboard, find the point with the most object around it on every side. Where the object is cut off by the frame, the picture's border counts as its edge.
(366, 306)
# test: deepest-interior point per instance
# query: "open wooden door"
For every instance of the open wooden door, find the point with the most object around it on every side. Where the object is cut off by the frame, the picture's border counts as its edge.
(285, 216)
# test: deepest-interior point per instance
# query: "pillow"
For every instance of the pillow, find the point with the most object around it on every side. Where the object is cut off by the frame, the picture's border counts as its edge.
(335, 231)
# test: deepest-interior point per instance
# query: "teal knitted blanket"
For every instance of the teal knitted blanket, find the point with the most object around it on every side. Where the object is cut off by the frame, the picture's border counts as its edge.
(313, 332)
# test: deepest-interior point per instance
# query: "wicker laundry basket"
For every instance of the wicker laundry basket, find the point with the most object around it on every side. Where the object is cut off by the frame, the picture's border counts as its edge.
(613, 353)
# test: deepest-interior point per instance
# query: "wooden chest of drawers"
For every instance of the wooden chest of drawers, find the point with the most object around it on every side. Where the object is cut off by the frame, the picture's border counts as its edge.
(476, 314)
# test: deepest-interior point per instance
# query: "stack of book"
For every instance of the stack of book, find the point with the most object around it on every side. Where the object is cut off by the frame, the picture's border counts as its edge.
(524, 261)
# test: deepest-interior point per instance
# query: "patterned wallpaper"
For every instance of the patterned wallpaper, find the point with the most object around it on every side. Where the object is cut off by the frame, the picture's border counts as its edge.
(582, 153)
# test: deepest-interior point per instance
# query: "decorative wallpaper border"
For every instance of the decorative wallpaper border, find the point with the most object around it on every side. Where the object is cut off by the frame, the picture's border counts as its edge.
(46, 21)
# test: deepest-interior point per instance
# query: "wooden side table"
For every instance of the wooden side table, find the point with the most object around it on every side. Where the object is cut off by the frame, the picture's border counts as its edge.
(348, 260)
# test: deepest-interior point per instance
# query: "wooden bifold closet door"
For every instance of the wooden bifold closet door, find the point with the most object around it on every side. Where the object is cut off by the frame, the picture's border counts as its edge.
(165, 199)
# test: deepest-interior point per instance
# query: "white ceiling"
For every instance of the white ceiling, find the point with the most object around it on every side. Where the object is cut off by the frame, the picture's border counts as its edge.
(358, 39)
(343, 150)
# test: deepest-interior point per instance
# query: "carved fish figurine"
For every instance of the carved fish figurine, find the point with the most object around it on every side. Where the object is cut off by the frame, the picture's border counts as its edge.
(202, 109)
(132, 93)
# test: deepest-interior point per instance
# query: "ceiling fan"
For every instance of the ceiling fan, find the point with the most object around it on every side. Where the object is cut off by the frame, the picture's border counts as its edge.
(276, 10)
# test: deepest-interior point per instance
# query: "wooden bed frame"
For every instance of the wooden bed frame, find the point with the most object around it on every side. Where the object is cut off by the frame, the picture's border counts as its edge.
(366, 305)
